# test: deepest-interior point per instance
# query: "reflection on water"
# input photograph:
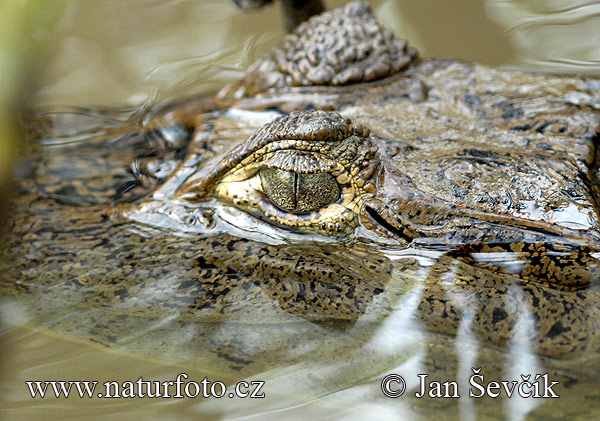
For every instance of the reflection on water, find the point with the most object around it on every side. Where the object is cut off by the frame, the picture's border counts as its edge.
(555, 35)
(232, 307)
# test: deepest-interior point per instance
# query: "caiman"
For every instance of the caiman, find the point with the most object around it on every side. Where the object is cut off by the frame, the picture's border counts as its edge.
(342, 181)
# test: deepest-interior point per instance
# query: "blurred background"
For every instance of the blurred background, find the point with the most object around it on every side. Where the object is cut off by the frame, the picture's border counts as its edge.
(137, 52)
(110, 51)
(18, 47)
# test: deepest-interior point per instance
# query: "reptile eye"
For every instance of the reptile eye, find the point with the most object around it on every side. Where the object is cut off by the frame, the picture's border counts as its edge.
(299, 192)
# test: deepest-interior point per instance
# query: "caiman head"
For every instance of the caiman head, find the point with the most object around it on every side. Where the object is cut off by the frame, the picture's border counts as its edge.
(309, 171)
(317, 171)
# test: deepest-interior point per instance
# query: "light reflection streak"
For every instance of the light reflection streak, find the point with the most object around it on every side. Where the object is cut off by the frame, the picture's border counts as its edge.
(521, 359)
(466, 345)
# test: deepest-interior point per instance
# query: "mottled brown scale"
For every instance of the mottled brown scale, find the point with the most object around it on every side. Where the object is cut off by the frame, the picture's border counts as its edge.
(343, 47)
(477, 185)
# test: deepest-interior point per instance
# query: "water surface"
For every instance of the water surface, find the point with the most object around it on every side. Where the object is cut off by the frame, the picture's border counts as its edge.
(141, 52)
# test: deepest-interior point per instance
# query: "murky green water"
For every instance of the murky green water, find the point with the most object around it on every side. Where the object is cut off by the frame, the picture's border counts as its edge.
(138, 53)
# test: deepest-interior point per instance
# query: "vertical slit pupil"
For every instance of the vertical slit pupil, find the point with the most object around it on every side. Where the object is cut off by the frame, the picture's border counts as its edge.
(296, 190)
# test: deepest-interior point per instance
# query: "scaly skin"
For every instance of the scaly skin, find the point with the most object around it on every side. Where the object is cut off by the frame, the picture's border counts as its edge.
(338, 48)
(489, 171)
(301, 143)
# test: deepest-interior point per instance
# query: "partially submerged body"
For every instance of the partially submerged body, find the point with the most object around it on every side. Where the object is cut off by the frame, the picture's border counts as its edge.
(335, 189)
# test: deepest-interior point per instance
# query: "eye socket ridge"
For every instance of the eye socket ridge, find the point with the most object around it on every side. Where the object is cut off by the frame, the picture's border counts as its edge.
(299, 193)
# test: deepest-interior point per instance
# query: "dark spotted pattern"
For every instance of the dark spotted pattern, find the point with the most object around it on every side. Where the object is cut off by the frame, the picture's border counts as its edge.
(468, 191)
(343, 47)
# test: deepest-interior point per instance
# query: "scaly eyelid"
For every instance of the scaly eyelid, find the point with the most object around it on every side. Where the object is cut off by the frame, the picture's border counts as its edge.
(290, 160)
